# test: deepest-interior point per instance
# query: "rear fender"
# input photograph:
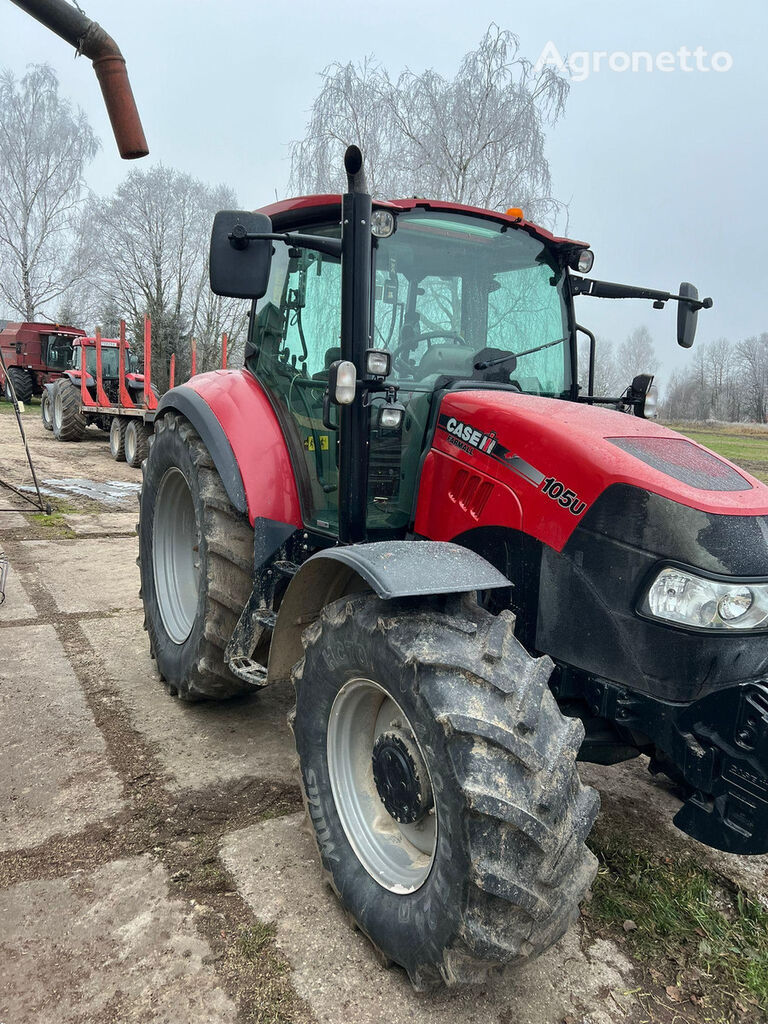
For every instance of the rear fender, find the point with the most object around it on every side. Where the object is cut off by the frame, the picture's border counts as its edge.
(392, 569)
(234, 418)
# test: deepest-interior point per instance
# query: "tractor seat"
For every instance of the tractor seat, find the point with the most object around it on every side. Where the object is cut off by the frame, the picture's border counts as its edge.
(331, 355)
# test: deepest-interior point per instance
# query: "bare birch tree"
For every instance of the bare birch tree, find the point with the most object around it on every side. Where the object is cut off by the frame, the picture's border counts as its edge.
(45, 145)
(154, 234)
(477, 138)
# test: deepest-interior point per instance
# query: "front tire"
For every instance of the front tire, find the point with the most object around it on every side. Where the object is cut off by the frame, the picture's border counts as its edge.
(22, 382)
(195, 557)
(465, 719)
(69, 423)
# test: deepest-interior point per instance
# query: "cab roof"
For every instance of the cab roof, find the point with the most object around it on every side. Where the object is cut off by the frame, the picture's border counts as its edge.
(287, 213)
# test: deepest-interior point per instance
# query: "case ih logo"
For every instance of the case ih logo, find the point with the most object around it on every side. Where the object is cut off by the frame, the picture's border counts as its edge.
(466, 432)
(469, 439)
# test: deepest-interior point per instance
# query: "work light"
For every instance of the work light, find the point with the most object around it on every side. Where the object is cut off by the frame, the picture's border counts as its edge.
(378, 362)
(382, 223)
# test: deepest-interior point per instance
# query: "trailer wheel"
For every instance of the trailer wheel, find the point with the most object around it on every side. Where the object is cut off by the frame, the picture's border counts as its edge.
(46, 409)
(136, 442)
(196, 558)
(117, 438)
(22, 382)
(69, 423)
(440, 777)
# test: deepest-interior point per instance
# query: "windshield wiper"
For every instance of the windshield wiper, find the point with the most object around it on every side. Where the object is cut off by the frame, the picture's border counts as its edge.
(485, 364)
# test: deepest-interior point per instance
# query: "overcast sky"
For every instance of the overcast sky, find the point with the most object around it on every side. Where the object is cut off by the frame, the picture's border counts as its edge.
(664, 172)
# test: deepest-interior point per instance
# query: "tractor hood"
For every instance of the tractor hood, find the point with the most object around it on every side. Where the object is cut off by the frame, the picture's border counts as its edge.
(542, 463)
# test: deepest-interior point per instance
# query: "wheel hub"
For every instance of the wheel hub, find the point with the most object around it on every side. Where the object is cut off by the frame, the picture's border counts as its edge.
(401, 777)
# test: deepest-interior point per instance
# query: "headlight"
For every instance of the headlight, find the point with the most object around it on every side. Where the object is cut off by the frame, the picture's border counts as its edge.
(684, 599)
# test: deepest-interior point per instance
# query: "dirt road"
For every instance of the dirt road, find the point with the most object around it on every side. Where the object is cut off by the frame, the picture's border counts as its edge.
(153, 863)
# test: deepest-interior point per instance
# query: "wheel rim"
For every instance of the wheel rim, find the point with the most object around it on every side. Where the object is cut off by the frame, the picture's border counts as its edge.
(45, 409)
(130, 443)
(114, 436)
(58, 411)
(174, 555)
(398, 855)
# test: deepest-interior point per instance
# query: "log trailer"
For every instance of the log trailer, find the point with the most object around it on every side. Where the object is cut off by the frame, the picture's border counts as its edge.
(103, 388)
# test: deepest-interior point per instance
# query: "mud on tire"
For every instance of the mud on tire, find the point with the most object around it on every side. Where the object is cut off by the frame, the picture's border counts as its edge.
(510, 864)
(69, 423)
(194, 668)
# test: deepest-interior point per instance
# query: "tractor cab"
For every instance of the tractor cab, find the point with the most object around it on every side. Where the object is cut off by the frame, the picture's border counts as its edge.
(457, 298)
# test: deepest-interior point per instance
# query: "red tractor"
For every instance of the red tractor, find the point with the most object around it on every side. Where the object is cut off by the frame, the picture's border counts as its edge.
(112, 394)
(474, 574)
(36, 354)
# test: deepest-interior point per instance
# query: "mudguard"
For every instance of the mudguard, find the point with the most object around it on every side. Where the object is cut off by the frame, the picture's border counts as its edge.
(391, 569)
(417, 568)
(234, 418)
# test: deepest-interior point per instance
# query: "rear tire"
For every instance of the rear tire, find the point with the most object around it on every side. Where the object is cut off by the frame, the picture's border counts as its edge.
(196, 559)
(69, 423)
(22, 383)
(117, 438)
(136, 442)
(509, 864)
(46, 409)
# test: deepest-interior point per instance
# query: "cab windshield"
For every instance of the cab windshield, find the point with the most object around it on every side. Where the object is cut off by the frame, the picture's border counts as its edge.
(464, 297)
(110, 361)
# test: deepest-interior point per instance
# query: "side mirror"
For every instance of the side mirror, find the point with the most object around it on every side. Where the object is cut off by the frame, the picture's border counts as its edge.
(239, 266)
(686, 316)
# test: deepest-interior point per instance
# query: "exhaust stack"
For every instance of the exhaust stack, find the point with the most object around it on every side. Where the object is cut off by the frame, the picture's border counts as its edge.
(89, 38)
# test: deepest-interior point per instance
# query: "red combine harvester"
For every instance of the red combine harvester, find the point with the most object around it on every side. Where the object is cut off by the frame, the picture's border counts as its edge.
(35, 354)
(103, 387)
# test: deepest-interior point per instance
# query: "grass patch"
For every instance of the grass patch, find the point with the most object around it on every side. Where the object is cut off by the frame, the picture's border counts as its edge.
(7, 408)
(252, 941)
(707, 929)
(746, 445)
(53, 524)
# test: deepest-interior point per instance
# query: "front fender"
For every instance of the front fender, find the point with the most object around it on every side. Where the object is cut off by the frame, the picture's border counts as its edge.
(234, 418)
(392, 569)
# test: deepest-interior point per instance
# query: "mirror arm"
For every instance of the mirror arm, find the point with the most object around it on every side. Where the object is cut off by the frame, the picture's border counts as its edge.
(239, 239)
(610, 290)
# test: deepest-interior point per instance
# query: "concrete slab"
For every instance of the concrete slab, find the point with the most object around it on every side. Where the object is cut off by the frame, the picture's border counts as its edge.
(201, 744)
(12, 520)
(631, 791)
(87, 575)
(105, 945)
(16, 604)
(53, 767)
(114, 523)
(335, 971)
